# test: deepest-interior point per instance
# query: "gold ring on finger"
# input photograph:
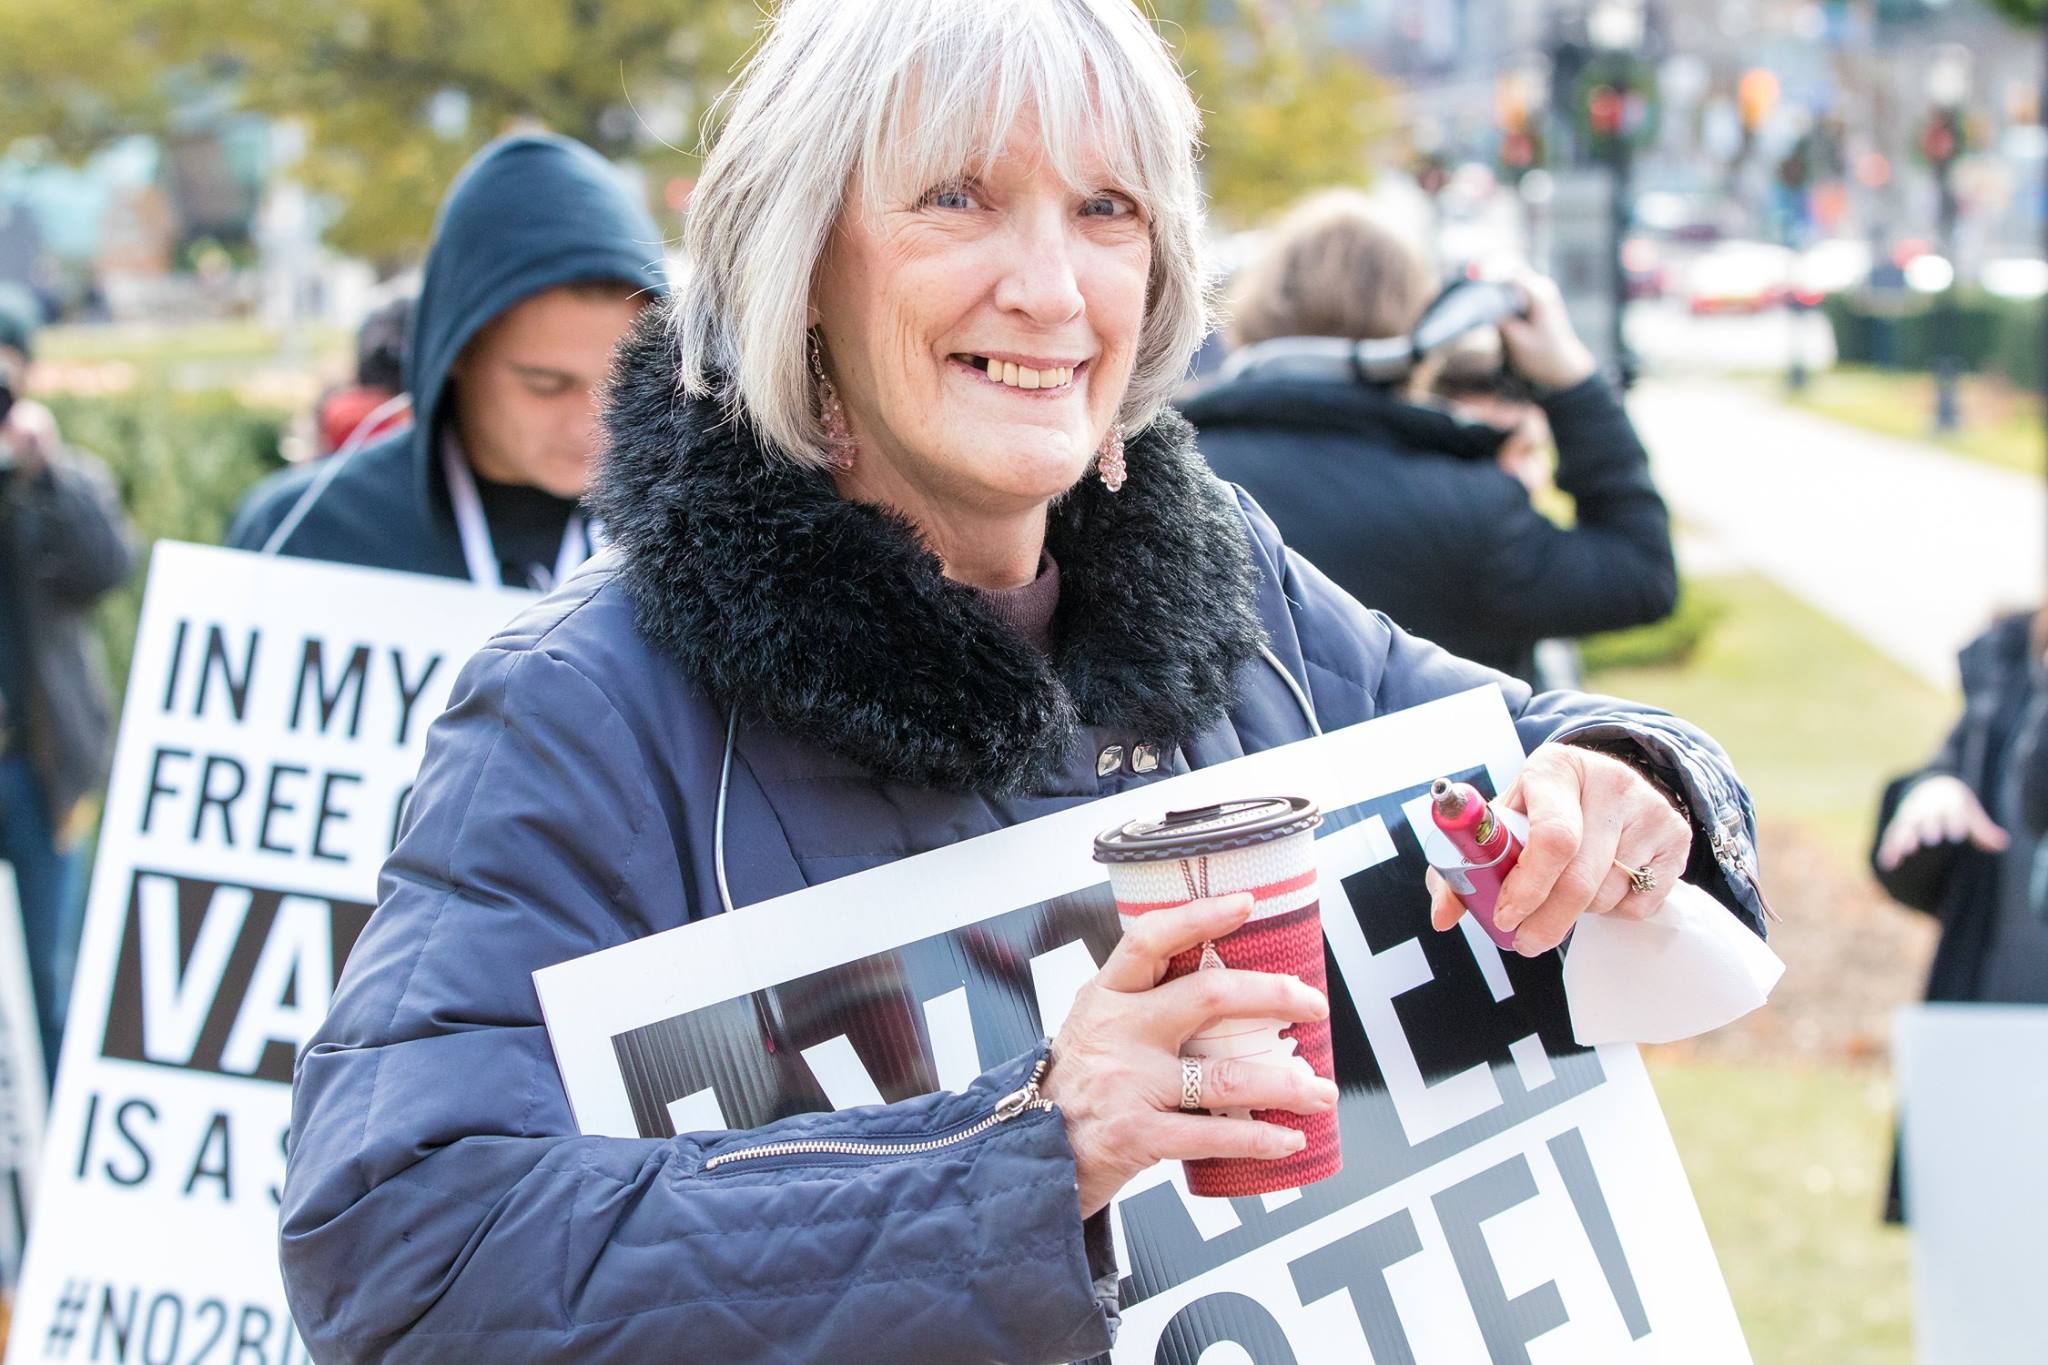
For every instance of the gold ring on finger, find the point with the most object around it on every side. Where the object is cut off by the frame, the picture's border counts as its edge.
(1640, 879)
(1191, 1084)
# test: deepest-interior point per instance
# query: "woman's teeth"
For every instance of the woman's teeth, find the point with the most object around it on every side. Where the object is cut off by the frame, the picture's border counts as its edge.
(1020, 377)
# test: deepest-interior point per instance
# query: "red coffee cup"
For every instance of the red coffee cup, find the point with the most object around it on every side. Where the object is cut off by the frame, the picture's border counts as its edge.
(1265, 846)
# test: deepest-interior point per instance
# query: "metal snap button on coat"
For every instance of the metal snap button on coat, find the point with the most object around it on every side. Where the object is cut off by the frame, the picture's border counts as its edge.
(1145, 758)
(1109, 760)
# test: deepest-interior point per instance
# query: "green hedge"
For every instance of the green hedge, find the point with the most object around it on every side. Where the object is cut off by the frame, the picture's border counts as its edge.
(182, 462)
(1994, 336)
(1668, 643)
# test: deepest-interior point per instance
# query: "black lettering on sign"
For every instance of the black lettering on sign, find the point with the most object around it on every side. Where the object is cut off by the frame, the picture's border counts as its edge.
(1582, 1183)
(158, 785)
(215, 1160)
(252, 1334)
(116, 1321)
(273, 809)
(1506, 1324)
(1357, 1264)
(125, 1122)
(410, 691)
(313, 678)
(219, 664)
(931, 1015)
(1236, 1318)
(177, 664)
(224, 978)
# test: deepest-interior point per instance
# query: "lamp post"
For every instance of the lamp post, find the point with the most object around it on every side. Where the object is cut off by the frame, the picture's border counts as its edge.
(1615, 114)
(1948, 85)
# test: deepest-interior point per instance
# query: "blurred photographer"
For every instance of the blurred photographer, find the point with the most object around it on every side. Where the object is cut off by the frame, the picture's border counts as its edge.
(63, 546)
(1964, 838)
(1408, 506)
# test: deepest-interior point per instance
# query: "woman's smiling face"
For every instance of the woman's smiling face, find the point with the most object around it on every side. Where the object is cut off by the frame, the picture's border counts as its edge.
(982, 333)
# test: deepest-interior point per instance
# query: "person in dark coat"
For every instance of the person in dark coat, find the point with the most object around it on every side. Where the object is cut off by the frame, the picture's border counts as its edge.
(1403, 503)
(1961, 838)
(64, 544)
(541, 258)
(906, 549)
(374, 405)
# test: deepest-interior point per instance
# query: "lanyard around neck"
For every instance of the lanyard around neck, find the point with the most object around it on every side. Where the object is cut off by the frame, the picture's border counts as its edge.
(479, 555)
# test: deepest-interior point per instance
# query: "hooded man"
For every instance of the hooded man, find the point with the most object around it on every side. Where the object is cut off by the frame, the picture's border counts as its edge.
(542, 257)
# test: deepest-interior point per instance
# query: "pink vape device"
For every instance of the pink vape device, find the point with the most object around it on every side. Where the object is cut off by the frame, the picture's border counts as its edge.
(1487, 846)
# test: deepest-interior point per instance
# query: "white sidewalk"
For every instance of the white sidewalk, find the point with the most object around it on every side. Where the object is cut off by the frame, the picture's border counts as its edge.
(1912, 547)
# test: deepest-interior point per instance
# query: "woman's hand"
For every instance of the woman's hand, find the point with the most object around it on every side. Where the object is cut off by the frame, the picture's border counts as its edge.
(1541, 345)
(1589, 815)
(1116, 1064)
(1938, 810)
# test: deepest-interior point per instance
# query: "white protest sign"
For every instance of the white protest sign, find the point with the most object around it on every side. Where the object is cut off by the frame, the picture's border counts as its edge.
(1974, 1099)
(276, 713)
(21, 1083)
(1507, 1196)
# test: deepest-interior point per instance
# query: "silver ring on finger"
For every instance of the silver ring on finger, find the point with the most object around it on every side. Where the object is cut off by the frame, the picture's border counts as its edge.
(1190, 1084)
(1641, 880)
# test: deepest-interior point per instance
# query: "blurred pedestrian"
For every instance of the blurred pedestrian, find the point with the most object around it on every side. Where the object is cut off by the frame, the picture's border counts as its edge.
(542, 257)
(1409, 508)
(369, 408)
(1961, 838)
(64, 544)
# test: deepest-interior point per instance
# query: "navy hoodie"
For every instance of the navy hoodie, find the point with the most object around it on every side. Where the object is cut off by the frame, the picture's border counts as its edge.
(528, 213)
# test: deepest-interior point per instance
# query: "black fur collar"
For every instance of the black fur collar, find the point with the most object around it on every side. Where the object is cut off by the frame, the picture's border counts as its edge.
(833, 622)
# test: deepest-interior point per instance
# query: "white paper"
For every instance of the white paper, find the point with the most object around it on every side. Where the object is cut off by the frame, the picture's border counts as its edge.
(1686, 970)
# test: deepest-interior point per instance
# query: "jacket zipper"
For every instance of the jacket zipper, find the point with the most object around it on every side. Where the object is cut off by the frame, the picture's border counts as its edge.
(1010, 1106)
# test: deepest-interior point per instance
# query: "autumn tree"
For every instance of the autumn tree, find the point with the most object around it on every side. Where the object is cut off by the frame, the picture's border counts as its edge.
(1284, 110)
(394, 95)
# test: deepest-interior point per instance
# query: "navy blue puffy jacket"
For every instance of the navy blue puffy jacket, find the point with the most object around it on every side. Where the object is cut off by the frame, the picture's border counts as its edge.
(440, 1204)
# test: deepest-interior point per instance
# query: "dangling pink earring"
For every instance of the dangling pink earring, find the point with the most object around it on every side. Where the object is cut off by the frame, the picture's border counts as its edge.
(832, 415)
(1109, 459)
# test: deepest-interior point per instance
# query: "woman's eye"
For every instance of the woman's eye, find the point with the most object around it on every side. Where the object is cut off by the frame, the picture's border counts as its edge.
(948, 197)
(1108, 206)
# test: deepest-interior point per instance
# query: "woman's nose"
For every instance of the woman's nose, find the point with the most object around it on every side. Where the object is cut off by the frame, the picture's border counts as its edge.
(1040, 280)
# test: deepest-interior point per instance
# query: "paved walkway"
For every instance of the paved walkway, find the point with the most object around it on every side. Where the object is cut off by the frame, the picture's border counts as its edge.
(1912, 547)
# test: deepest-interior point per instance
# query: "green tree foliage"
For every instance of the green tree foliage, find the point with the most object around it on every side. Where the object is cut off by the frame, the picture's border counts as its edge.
(397, 94)
(2022, 11)
(1284, 110)
(393, 95)
(77, 74)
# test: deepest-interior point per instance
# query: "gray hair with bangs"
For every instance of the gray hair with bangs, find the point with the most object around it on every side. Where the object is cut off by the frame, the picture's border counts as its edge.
(882, 97)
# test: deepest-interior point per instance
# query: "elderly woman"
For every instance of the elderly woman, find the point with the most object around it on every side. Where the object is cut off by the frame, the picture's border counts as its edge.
(907, 550)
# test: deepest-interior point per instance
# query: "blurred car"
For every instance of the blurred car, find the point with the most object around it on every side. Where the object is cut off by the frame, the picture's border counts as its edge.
(1695, 217)
(1740, 277)
(1642, 265)
(1834, 265)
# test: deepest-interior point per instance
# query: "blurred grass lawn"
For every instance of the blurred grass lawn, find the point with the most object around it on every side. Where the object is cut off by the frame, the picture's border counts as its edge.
(2001, 426)
(1787, 1159)
(144, 343)
(264, 366)
(1788, 1163)
(1815, 719)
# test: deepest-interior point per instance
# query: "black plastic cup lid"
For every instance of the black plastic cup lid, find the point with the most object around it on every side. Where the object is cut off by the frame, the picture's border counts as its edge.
(1210, 829)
